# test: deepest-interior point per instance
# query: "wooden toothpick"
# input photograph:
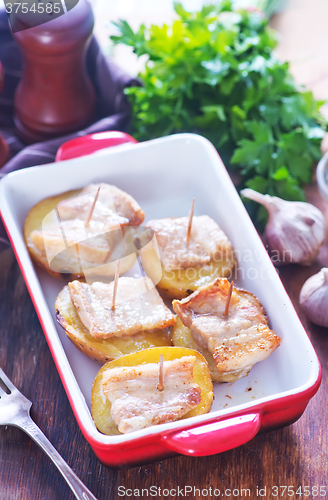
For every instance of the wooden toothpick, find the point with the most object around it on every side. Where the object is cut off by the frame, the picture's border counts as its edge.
(61, 227)
(160, 385)
(87, 222)
(78, 257)
(137, 244)
(226, 310)
(191, 214)
(117, 273)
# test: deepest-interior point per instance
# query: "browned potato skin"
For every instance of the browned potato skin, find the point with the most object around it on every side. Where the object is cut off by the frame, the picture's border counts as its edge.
(178, 285)
(103, 350)
(100, 410)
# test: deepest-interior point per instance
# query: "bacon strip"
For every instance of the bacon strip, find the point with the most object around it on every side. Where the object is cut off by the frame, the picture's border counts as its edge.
(237, 341)
(207, 242)
(138, 307)
(136, 402)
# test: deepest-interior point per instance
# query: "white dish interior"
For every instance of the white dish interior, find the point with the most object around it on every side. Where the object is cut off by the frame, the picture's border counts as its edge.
(163, 176)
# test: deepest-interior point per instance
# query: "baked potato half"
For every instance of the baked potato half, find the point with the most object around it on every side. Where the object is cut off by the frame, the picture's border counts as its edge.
(101, 406)
(103, 350)
(228, 326)
(97, 253)
(33, 222)
(187, 264)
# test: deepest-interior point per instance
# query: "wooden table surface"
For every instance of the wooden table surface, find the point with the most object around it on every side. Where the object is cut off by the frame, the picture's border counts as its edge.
(294, 456)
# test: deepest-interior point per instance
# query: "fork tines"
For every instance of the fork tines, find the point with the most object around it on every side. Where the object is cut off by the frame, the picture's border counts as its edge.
(5, 384)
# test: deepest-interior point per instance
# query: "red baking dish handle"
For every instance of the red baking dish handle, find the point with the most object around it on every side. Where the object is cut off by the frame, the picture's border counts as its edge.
(88, 144)
(215, 437)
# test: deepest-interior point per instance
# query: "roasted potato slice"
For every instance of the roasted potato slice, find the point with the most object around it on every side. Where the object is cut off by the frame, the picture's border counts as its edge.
(228, 326)
(187, 265)
(100, 406)
(180, 283)
(33, 222)
(70, 271)
(103, 350)
(181, 337)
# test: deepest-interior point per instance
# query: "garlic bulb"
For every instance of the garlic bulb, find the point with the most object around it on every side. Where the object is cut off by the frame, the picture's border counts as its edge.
(314, 298)
(295, 230)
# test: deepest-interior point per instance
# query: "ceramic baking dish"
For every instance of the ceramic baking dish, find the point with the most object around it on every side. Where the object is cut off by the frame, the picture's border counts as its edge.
(164, 175)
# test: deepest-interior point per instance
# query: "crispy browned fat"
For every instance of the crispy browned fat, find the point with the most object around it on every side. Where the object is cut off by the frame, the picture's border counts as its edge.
(238, 340)
(126, 395)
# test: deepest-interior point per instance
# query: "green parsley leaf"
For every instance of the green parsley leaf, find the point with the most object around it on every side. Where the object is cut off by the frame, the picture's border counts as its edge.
(214, 72)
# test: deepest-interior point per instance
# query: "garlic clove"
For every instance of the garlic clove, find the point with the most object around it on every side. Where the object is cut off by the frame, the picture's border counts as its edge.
(314, 298)
(295, 230)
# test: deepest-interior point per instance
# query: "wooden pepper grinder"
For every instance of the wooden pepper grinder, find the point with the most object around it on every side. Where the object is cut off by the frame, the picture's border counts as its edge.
(55, 96)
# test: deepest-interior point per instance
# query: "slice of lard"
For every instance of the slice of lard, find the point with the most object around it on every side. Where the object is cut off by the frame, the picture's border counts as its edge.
(111, 202)
(94, 243)
(138, 307)
(207, 242)
(237, 341)
(136, 403)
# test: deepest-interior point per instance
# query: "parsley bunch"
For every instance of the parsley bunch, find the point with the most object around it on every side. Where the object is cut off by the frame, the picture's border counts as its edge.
(214, 72)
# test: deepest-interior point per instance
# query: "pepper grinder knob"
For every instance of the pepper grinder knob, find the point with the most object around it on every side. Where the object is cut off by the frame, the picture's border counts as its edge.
(55, 95)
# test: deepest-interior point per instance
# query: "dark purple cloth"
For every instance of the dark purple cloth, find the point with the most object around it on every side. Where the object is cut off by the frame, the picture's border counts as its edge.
(113, 111)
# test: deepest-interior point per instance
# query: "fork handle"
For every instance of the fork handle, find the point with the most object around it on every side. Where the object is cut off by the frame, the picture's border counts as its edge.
(79, 489)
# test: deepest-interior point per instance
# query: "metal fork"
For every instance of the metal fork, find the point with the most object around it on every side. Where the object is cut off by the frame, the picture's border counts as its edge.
(15, 410)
